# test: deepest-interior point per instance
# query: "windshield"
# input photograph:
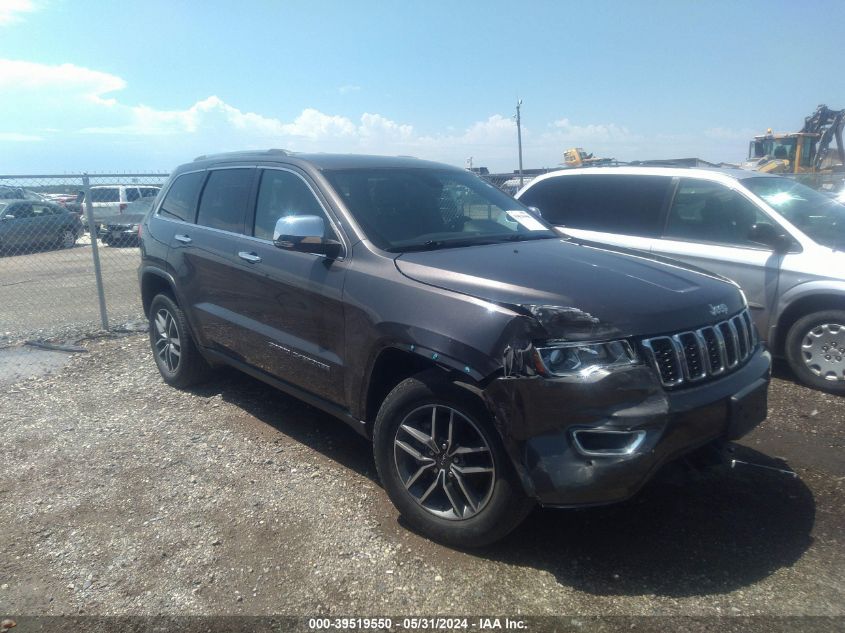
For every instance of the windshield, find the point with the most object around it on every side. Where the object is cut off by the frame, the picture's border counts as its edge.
(774, 147)
(422, 209)
(820, 217)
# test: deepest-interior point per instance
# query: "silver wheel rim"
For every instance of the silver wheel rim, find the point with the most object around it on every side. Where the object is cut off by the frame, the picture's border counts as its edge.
(168, 345)
(68, 239)
(823, 350)
(444, 462)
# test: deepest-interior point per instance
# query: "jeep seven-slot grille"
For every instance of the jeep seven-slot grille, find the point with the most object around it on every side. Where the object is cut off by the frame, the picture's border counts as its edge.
(712, 350)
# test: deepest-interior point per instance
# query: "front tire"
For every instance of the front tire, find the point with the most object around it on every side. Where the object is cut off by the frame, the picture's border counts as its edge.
(443, 465)
(815, 350)
(178, 360)
(66, 239)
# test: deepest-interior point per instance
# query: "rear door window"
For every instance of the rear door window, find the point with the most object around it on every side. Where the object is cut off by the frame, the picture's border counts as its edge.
(180, 203)
(626, 204)
(224, 199)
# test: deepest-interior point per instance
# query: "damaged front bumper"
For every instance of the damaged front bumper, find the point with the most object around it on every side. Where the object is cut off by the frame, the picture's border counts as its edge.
(596, 439)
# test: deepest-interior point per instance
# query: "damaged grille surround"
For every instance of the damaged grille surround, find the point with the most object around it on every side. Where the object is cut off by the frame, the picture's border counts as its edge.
(691, 357)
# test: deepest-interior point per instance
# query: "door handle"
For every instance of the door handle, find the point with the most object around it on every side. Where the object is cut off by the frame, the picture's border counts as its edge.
(182, 238)
(252, 258)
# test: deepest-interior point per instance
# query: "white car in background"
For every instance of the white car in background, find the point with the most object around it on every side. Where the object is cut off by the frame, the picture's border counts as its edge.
(111, 200)
(781, 241)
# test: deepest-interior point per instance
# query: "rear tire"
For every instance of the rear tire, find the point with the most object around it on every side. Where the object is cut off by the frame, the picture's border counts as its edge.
(178, 360)
(815, 350)
(473, 506)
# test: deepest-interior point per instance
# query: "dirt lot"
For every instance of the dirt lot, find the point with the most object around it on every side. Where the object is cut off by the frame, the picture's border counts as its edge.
(122, 496)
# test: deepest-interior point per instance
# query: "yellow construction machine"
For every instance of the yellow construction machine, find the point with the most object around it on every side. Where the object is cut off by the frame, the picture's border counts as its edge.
(577, 157)
(806, 152)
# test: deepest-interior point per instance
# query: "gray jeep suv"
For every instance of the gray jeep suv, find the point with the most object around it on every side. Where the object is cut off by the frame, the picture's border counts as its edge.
(492, 363)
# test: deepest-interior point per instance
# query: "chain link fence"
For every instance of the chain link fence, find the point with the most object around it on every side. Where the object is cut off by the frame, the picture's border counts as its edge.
(68, 260)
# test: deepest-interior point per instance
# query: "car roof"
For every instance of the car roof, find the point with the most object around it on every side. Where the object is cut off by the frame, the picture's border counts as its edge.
(121, 185)
(318, 160)
(719, 174)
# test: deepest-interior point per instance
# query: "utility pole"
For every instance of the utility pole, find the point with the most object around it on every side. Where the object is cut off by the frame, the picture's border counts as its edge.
(519, 138)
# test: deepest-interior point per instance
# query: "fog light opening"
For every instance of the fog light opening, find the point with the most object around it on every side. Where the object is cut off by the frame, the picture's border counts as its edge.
(597, 443)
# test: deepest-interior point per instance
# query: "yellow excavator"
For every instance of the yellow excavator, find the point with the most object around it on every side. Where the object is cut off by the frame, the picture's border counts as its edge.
(577, 157)
(807, 152)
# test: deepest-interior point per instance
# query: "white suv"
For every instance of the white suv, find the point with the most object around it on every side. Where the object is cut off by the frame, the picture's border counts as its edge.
(109, 200)
(781, 241)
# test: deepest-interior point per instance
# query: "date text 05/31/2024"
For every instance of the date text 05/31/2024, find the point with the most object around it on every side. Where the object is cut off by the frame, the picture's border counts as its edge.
(417, 624)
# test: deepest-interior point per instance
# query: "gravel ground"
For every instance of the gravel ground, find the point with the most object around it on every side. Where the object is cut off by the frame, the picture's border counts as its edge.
(123, 496)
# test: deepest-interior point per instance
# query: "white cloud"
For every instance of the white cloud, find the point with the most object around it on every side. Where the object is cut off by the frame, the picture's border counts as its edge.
(14, 137)
(11, 10)
(66, 80)
(603, 132)
(80, 109)
(730, 134)
(345, 90)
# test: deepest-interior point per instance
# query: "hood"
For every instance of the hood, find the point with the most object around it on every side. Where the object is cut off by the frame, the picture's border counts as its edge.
(577, 291)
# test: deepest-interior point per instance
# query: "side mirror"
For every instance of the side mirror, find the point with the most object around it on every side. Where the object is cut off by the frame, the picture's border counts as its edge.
(536, 211)
(770, 236)
(304, 233)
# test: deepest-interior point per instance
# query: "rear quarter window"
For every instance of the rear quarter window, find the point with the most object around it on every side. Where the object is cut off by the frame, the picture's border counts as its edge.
(106, 194)
(625, 204)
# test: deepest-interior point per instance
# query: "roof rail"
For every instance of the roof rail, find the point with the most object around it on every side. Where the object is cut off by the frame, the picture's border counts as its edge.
(282, 152)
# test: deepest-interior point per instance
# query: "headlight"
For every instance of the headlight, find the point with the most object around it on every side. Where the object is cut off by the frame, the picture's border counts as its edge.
(564, 359)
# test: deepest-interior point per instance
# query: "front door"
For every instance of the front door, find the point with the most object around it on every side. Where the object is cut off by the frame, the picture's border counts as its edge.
(709, 225)
(292, 302)
(18, 230)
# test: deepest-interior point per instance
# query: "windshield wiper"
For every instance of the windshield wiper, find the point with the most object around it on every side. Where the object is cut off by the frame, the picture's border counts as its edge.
(433, 245)
(480, 240)
(519, 237)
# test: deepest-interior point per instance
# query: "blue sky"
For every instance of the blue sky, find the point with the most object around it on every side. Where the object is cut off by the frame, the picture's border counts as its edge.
(147, 85)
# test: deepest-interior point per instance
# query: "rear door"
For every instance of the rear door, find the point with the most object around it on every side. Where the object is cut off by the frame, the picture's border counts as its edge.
(709, 225)
(48, 222)
(291, 302)
(132, 194)
(204, 256)
(619, 209)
